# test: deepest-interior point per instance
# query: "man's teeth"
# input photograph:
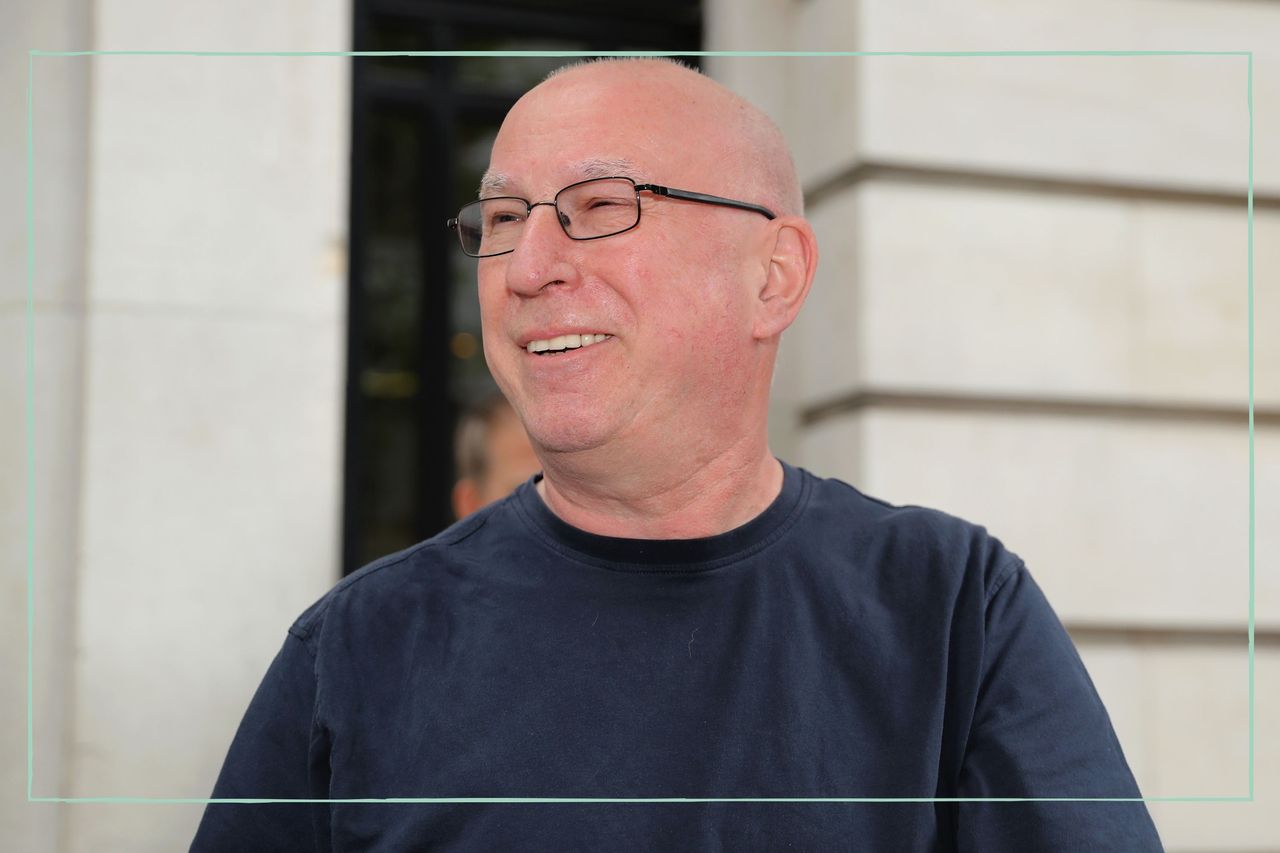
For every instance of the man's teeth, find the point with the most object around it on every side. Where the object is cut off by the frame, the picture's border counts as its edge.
(563, 342)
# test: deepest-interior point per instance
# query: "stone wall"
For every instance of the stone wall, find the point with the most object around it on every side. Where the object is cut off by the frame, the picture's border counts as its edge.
(189, 332)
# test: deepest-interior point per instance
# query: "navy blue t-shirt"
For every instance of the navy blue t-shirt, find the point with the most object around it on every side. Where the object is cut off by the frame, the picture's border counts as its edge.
(834, 646)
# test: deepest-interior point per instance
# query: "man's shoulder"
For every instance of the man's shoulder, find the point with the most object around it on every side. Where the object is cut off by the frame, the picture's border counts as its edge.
(907, 537)
(414, 573)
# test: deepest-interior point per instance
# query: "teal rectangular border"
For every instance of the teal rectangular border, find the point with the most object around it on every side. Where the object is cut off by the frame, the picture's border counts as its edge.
(30, 424)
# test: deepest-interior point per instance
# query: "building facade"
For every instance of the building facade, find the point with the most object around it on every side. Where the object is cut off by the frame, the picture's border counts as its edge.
(1031, 311)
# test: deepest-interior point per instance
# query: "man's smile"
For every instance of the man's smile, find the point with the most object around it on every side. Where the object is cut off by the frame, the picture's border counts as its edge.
(564, 343)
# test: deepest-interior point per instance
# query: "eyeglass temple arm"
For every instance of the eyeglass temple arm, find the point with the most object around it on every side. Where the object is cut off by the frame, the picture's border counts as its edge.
(706, 199)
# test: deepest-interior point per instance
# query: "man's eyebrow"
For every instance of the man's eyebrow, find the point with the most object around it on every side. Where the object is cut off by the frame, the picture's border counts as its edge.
(492, 183)
(497, 183)
(607, 168)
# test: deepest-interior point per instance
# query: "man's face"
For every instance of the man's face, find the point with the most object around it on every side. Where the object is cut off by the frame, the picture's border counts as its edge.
(673, 293)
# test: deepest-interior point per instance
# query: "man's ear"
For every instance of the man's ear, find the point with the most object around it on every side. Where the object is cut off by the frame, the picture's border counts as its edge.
(789, 274)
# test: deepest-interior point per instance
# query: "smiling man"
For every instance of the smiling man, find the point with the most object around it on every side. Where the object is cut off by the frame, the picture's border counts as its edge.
(668, 610)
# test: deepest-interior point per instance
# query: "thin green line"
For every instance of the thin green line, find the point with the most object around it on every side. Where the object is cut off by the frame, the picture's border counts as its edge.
(31, 427)
(586, 53)
(1251, 472)
(439, 800)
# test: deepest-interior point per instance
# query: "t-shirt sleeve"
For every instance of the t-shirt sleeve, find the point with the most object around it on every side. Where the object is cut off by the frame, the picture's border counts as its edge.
(279, 753)
(1040, 731)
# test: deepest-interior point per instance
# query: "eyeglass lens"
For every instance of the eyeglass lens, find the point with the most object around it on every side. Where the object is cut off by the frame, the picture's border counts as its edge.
(587, 210)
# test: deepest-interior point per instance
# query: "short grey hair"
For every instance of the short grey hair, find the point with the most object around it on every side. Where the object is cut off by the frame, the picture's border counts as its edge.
(598, 60)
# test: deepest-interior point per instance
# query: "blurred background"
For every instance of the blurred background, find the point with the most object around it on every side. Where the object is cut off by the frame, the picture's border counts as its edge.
(253, 337)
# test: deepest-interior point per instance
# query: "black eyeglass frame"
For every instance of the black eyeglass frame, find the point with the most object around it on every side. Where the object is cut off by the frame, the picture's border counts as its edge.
(669, 192)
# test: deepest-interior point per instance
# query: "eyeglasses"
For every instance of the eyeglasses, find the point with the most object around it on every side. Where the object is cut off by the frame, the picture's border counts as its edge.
(587, 210)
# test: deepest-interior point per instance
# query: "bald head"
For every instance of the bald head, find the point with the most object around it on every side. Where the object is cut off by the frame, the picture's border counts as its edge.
(690, 300)
(719, 132)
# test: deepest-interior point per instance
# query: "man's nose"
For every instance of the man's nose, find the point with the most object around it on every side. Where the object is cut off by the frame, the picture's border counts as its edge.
(541, 254)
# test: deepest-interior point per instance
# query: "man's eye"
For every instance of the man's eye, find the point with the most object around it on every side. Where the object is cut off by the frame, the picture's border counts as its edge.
(505, 218)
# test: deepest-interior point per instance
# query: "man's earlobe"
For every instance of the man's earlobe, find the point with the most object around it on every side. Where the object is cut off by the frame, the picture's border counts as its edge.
(788, 276)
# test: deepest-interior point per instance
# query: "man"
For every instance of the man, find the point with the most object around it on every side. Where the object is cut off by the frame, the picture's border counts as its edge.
(669, 611)
(492, 454)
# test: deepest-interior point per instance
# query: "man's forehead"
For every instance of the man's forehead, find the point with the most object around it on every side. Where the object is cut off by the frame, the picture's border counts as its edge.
(496, 182)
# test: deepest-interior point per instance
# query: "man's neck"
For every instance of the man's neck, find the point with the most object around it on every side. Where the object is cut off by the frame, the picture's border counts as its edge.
(690, 499)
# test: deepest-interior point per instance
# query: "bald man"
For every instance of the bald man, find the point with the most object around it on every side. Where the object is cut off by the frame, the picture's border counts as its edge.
(669, 613)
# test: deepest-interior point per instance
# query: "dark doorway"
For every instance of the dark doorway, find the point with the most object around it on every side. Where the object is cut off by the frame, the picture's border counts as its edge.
(421, 131)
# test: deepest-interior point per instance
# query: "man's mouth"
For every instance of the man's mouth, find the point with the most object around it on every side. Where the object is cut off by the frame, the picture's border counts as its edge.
(564, 343)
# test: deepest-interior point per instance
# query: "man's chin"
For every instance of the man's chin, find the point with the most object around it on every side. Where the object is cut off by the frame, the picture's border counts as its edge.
(567, 436)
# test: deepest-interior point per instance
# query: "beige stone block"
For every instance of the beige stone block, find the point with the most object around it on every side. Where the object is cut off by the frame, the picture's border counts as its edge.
(1189, 305)
(1121, 521)
(1181, 711)
(1164, 120)
(827, 341)
(1177, 121)
(1010, 293)
(1200, 719)
(219, 182)
(1118, 668)
(834, 447)
(321, 26)
(59, 170)
(991, 290)
(59, 183)
(210, 521)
